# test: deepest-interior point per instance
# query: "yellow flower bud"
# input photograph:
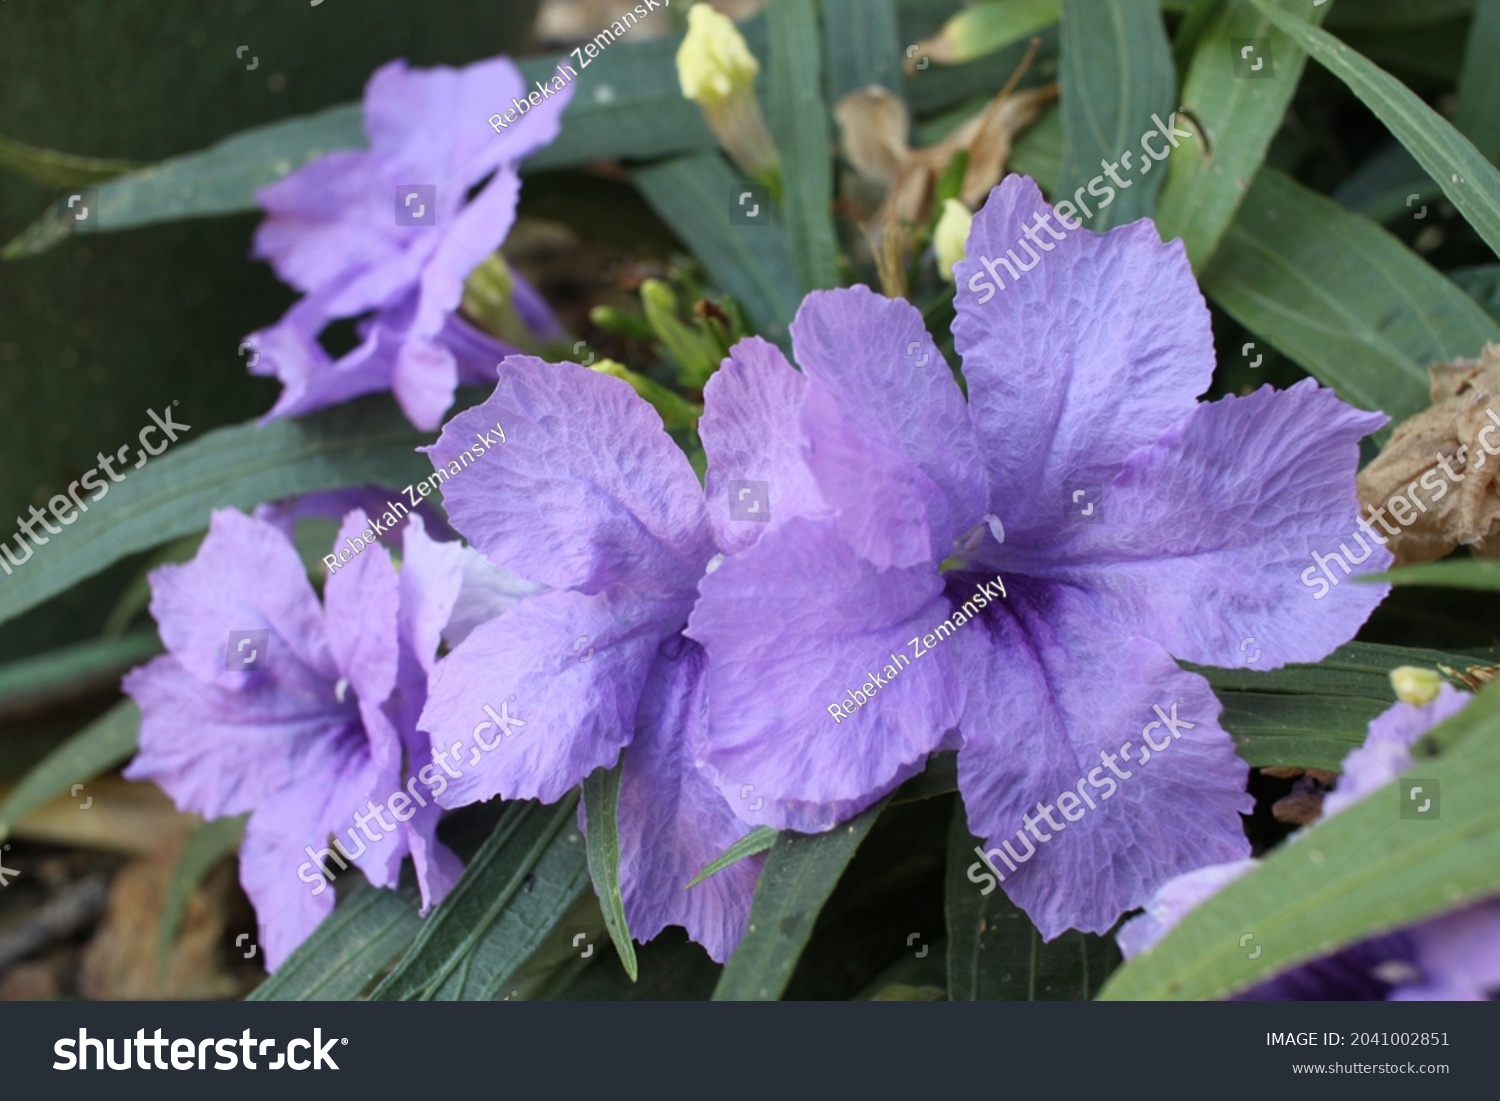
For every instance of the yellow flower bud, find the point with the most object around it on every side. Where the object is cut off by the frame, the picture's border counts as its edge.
(1415, 685)
(714, 63)
(951, 237)
(717, 72)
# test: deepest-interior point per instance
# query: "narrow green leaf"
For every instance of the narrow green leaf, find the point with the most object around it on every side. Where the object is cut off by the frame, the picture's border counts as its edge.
(366, 442)
(799, 123)
(757, 840)
(97, 748)
(995, 953)
(1236, 110)
(349, 948)
(210, 843)
(1471, 183)
(1117, 72)
(800, 874)
(1482, 284)
(1458, 573)
(48, 166)
(1038, 152)
(601, 810)
(1311, 716)
(1345, 299)
(862, 46)
(1478, 113)
(521, 882)
(983, 29)
(74, 669)
(750, 262)
(1361, 873)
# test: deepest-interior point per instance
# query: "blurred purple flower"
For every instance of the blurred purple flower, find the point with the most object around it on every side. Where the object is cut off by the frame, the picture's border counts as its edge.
(591, 498)
(1454, 957)
(390, 233)
(311, 725)
(1130, 525)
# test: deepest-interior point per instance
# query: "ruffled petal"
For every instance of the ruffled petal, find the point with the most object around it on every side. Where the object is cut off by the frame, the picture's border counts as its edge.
(1112, 753)
(586, 490)
(1074, 365)
(887, 435)
(794, 626)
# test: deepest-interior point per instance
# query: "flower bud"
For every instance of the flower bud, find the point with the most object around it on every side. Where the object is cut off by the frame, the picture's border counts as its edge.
(717, 72)
(1415, 685)
(951, 237)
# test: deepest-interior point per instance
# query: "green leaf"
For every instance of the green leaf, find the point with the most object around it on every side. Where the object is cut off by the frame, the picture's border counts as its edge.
(97, 748)
(1386, 15)
(751, 263)
(1117, 72)
(1471, 183)
(995, 953)
(985, 28)
(221, 179)
(1363, 872)
(757, 840)
(1311, 716)
(799, 123)
(1235, 116)
(1345, 299)
(1482, 284)
(366, 442)
(1478, 113)
(518, 886)
(800, 874)
(74, 670)
(601, 809)
(349, 948)
(1038, 152)
(1457, 573)
(210, 843)
(59, 169)
(861, 46)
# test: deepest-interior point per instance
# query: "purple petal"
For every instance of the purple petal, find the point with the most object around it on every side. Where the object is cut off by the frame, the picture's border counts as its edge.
(569, 667)
(1076, 364)
(1205, 538)
(1386, 753)
(794, 625)
(586, 492)
(750, 433)
(1063, 701)
(887, 434)
(673, 821)
(1174, 901)
(245, 577)
(487, 592)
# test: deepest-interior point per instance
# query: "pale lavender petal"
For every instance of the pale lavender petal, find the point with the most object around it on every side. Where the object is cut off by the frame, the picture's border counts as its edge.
(1074, 365)
(750, 434)
(1173, 901)
(1054, 686)
(245, 577)
(1386, 753)
(887, 434)
(792, 626)
(487, 592)
(1462, 950)
(569, 667)
(1206, 537)
(586, 492)
(673, 821)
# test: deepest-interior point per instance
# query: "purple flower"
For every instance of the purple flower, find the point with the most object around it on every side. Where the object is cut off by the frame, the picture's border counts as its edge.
(589, 497)
(1453, 957)
(309, 721)
(389, 234)
(1127, 523)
